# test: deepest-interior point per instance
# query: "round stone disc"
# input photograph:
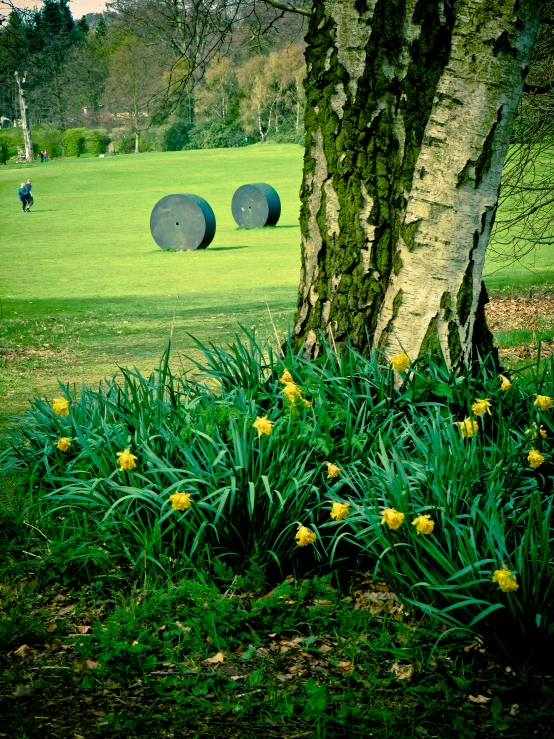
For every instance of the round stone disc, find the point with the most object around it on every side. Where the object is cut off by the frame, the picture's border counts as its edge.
(256, 206)
(182, 222)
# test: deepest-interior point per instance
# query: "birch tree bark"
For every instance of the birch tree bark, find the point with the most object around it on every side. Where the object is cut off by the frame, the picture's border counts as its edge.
(410, 105)
(20, 82)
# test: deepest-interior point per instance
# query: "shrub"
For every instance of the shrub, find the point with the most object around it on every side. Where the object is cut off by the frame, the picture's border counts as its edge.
(10, 139)
(96, 142)
(176, 136)
(49, 140)
(4, 152)
(74, 141)
(217, 135)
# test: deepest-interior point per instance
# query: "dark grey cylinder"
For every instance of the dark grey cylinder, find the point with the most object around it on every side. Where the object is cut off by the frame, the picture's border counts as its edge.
(256, 206)
(182, 222)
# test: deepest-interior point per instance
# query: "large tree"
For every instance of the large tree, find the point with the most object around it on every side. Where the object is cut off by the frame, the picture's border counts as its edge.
(410, 106)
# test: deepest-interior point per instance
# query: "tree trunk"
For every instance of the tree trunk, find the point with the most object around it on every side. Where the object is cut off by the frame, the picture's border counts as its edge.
(20, 82)
(410, 104)
(137, 141)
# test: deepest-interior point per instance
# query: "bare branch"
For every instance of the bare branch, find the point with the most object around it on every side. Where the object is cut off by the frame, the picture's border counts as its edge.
(289, 8)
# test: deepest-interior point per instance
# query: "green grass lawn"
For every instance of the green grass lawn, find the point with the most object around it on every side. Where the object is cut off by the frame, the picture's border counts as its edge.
(84, 288)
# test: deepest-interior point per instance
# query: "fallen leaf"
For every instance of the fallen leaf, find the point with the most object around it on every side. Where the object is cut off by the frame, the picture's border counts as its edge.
(219, 657)
(90, 664)
(65, 611)
(345, 666)
(83, 629)
(478, 699)
(324, 648)
(323, 602)
(52, 628)
(23, 653)
(514, 709)
(402, 672)
(179, 625)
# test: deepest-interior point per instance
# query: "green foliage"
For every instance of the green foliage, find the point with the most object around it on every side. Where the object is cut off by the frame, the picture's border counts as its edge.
(217, 135)
(176, 136)
(397, 446)
(10, 140)
(74, 141)
(96, 142)
(49, 140)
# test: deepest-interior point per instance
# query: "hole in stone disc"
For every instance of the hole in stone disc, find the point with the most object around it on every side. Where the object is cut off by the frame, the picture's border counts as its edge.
(177, 223)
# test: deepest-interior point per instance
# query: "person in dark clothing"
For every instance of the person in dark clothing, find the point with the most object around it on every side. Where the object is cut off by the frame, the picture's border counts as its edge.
(30, 199)
(41, 157)
(22, 192)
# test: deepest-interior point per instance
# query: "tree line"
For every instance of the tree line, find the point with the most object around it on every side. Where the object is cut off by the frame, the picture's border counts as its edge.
(103, 81)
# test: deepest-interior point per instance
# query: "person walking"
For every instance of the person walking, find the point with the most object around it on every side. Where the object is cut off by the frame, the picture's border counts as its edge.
(22, 192)
(45, 155)
(30, 198)
(41, 156)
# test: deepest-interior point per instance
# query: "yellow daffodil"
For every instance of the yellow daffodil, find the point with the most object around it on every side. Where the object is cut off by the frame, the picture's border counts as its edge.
(480, 407)
(126, 460)
(424, 524)
(506, 580)
(544, 402)
(535, 459)
(180, 501)
(400, 362)
(293, 394)
(505, 384)
(304, 536)
(60, 406)
(339, 510)
(392, 518)
(63, 444)
(286, 378)
(332, 469)
(468, 427)
(535, 431)
(263, 425)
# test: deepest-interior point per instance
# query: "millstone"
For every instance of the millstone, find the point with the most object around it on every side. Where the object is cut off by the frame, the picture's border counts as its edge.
(255, 206)
(182, 222)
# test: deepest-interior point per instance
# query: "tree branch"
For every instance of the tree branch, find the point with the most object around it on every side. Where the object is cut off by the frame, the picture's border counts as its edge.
(288, 7)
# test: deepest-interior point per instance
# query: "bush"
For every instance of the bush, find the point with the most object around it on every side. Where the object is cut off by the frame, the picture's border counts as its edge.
(96, 142)
(395, 443)
(217, 135)
(74, 141)
(10, 139)
(176, 136)
(49, 140)
(4, 152)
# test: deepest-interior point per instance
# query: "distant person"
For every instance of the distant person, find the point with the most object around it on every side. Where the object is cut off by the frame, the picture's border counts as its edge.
(41, 157)
(45, 155)
(22, 192)
(30, 199)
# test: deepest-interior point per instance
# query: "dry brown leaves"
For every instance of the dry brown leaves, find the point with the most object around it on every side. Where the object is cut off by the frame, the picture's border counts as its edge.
(533, 312)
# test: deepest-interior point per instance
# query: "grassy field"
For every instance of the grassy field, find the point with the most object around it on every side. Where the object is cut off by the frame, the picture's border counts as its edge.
(84, 288)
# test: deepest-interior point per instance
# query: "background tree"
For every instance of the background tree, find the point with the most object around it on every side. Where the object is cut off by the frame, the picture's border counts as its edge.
(134, 79)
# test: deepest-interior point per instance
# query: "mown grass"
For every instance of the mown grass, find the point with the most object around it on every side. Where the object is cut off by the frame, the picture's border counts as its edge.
(84, 288)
